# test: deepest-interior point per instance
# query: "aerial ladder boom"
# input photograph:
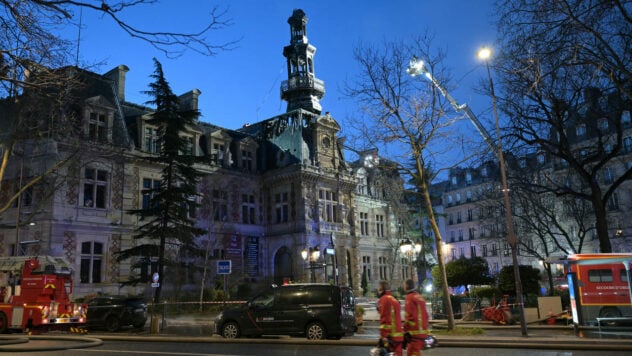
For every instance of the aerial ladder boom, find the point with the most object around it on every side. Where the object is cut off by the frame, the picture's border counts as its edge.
(417, 67)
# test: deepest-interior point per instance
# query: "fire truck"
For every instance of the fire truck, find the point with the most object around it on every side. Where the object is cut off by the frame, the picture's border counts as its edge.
(35, 295)
(599, 287)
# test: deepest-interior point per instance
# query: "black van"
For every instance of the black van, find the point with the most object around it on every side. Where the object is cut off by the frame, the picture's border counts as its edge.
(317, 311)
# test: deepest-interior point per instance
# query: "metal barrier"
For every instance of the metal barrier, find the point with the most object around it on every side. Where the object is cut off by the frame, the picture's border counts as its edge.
(611, 319)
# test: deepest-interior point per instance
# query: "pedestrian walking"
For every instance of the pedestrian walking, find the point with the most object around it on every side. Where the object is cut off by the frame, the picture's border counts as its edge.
(391, 332)
(415, 320)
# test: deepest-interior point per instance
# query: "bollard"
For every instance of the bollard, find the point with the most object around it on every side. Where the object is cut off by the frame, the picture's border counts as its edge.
(155, 323)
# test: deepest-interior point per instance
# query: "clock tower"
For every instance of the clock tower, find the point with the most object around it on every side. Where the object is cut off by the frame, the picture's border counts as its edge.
(301, 90)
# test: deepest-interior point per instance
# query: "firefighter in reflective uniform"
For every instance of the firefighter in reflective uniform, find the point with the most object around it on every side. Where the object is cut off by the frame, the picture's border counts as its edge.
(415, 320)
(391, 332)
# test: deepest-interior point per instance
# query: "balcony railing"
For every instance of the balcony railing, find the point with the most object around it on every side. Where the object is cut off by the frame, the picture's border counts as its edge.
(302, 83)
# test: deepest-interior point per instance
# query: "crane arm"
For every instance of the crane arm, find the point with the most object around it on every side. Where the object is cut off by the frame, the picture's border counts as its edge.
(417, 67)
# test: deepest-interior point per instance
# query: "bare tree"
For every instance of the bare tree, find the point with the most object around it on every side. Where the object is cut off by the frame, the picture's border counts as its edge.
(567, 63)
(406, 115)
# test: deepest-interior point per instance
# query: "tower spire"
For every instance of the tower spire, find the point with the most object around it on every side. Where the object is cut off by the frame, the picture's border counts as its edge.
(301, 90)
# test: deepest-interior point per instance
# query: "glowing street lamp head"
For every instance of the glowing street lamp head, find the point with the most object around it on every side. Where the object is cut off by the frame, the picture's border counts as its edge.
(415, 67)
(485, 53)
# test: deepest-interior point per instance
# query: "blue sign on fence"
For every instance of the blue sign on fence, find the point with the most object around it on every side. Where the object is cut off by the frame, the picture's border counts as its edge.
(223, 266)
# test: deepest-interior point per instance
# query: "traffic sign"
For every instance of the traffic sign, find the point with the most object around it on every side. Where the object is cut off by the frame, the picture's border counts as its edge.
(224, 266)
(155, 277)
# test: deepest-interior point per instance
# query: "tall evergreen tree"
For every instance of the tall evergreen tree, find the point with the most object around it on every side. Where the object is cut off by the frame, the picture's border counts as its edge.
(168, 216)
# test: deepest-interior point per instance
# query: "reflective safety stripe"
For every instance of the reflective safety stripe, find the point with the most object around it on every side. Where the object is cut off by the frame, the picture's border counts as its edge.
(393, 326)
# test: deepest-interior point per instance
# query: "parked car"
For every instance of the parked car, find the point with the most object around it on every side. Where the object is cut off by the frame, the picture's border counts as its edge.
(317, 311)
(113, 312)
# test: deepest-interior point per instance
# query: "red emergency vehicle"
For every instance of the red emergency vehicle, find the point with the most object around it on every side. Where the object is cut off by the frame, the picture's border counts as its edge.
(35, 295)
(599, 286)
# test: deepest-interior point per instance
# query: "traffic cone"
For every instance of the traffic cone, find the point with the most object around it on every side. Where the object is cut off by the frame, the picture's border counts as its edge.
(551, 319)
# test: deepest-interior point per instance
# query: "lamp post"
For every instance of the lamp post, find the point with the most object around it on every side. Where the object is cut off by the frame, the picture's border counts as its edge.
(410, 250)
(485, 54)
(311, 255)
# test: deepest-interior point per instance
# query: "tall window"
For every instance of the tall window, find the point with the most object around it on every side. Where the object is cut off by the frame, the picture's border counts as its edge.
(362, 183)
(282, 207)
(379, 225)
(91, 257)
(608, 175)
(383, 268)
(364, 224)
(494, 250)
(247, 160)
(329, 200)
(217, 154)
(151, 140)
(148, 184)
(26, 198)
(404, 263)
(188, 145)
(95, 188)
(97, 127)
(248, 209)
(220, 205)
(613, 202)
(484, 252)
(627, 144)
(366, 267)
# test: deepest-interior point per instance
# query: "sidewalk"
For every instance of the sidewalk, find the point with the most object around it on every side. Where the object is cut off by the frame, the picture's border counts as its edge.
(494, 336)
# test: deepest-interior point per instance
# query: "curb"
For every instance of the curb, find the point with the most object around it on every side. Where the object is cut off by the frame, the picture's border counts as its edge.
(444, 341)
(24, 343)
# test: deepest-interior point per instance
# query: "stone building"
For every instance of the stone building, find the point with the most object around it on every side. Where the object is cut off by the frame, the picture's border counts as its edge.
(475, 222)
(278, 197)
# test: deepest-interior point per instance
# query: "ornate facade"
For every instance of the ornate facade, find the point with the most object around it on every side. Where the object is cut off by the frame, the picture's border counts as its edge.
(270, 191)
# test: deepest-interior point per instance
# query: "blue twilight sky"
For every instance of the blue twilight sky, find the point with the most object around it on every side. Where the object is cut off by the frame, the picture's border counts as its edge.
(242, 86)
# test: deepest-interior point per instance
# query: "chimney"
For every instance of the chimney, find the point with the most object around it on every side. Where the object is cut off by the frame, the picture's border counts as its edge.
(189, 100)
(118, 76)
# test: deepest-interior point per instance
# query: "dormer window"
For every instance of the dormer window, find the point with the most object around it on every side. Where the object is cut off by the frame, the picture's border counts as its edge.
(247, 160)
(150, 139)
(580, 130)
(625, 117)
(217, 153)
(541, 158)
(188, 146)
(97, 127)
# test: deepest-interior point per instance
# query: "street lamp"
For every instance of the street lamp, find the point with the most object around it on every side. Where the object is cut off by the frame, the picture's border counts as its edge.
(410, 250)
(312, 255)
(485, 54)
